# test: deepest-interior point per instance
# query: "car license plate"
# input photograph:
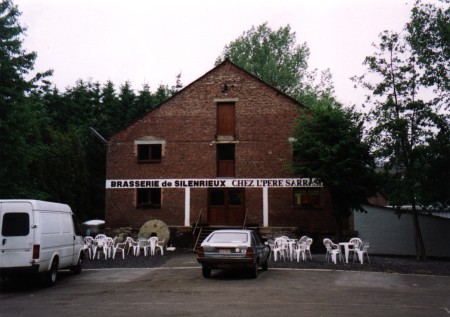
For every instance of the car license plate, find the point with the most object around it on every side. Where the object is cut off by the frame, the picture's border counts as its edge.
(224, 251)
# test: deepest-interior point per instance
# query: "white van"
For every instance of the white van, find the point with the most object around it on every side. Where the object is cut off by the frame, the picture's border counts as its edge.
(38, 237)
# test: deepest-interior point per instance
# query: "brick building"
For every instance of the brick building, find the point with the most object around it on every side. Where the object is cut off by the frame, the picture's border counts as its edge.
(217, 152)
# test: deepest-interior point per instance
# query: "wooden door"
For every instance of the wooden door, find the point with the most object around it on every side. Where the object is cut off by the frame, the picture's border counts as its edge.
(226, 206)
(225, 119)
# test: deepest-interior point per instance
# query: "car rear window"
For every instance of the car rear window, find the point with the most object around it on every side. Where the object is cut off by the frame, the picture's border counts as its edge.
(229, 237)
(15, 224)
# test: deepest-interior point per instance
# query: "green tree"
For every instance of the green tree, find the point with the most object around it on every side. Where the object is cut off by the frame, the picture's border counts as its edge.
(109, 117)
(404, 121)
(433, 176)
(329, 145)
(428, 34)
(162, 94)
(127, 99)
(178, 84)
(145, 101)
(81, 105)
(17, 130)
(274, 57)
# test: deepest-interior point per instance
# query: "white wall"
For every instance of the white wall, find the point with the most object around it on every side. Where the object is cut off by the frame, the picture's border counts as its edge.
(388, 233)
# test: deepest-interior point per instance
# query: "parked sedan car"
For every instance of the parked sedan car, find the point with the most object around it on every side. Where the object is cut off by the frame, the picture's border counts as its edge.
(226, 249)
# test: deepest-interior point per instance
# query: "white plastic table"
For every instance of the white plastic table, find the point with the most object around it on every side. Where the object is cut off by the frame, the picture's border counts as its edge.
(346, 249)
(291, 244)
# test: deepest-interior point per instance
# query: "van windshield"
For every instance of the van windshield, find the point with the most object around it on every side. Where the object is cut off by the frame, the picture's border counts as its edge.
(15, 224)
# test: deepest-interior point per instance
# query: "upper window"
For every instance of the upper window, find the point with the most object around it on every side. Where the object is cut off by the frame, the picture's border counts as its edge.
(307, 197)
(149, 153)
(225, 160)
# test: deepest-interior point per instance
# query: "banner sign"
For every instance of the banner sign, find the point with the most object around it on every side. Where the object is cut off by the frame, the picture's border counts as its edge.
(212, 183)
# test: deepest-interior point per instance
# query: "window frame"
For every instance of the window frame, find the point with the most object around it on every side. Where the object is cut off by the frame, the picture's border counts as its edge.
(154, 149)
(226, 159)
(313, 194)
(147, 203)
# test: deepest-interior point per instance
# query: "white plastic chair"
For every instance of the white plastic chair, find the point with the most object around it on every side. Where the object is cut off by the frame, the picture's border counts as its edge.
(88, 244)
(363, 250)
(280, 248)
(355, 244)
(119, 246)
(108, 248)
(300, 250)
(143, 245)
(132, 245)
(100, 246)
(333, 250)
(154, 245)
(309, 241)
(303, 239)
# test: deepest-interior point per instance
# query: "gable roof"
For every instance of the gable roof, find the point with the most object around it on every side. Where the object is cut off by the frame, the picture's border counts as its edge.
(225, 62)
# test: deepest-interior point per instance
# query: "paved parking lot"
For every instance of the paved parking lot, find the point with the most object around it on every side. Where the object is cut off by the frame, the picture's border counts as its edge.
(178, 289)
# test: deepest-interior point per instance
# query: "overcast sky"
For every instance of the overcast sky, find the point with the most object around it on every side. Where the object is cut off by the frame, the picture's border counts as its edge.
(153, 41)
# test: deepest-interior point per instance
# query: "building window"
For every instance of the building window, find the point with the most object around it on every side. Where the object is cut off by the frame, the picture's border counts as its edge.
(307, 197)
(149, 153)
(148, 198)
(225, 160)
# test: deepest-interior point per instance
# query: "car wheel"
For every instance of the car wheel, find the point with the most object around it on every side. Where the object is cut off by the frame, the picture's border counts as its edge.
(254, 271)
(76, 269)
(206, 271)
(52, 274)
(265, 265)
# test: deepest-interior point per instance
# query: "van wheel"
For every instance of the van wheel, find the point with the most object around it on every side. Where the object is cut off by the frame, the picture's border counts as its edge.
(52, 274)
(76, 269)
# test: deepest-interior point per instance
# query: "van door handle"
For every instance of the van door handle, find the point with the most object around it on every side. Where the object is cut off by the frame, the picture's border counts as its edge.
(4, 242)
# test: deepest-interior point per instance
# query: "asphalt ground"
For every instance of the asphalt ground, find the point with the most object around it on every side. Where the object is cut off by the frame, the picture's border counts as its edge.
(378, 263)
(172, 285)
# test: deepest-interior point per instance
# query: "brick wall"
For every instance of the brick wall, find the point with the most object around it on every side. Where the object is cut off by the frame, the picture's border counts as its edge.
(187, 124)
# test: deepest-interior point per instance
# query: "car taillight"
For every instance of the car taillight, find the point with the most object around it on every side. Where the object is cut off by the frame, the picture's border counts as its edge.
(249, 253)
(201, 252)
(36, 251)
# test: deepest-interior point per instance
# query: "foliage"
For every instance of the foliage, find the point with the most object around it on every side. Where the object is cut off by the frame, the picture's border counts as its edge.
(405, 123)
(329, 145)
(17, 128)
(428, 34)
(48, 151)
(274, 57)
